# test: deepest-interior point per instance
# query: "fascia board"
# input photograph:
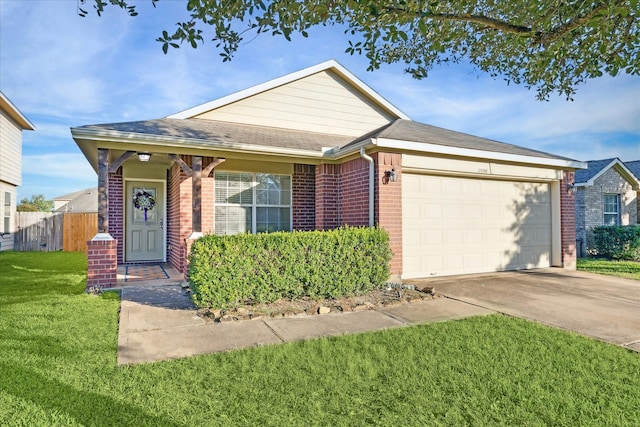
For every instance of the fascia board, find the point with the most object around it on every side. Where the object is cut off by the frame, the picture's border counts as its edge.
(188, 143)
(280, 81)
(15, 114)
(468, 152)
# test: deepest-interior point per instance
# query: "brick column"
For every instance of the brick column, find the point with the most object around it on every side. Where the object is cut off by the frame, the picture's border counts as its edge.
(327, 196)
(388, 207)
(102, 257)
(568, 221)
(303, 197)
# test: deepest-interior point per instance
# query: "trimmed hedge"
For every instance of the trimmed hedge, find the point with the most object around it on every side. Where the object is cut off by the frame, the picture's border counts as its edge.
(226, 271)
(617, 242)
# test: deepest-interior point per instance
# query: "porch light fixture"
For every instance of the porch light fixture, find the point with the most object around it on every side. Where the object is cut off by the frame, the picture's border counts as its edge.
(390, 176)
(571, 188)
(144, 157)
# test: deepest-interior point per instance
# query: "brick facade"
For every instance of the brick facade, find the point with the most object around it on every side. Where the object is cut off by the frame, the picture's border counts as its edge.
(353, 193)
(178, 215)
(327, 196)
(116, 211)
(590, 204)
(323, 197)
(388, 208)
(303, 197)
(102, 268)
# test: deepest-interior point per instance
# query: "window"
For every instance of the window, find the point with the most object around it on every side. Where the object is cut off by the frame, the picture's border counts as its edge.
(611, 209)
(7, 213)
(255, 203)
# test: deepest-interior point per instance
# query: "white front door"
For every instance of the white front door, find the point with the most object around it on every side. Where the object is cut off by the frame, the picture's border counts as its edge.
(144, 239)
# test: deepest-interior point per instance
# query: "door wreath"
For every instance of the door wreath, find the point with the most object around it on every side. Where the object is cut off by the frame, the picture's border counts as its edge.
(144, 201)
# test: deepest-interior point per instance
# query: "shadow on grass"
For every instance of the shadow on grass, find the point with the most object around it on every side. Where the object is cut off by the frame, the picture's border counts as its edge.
(86, 408)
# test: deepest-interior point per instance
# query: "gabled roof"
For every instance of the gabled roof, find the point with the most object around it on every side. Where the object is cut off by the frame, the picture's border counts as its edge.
(331, 65)
(634, 166)
(15, 114)
(79, 201)
(595, 168)
(206, 128)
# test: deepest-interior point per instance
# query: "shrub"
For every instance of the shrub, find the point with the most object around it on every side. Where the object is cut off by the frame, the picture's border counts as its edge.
(617, 242)
(226, 271)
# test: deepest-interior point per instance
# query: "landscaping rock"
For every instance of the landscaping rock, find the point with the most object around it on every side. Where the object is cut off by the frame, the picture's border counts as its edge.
(324, 310)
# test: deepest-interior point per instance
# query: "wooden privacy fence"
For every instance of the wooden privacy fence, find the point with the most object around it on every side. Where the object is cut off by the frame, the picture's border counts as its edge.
(43, 231)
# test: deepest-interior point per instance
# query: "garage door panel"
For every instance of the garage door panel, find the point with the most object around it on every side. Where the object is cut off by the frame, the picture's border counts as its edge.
(470, 225)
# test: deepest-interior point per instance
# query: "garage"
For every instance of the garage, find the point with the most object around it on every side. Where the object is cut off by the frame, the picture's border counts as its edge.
(461, 225)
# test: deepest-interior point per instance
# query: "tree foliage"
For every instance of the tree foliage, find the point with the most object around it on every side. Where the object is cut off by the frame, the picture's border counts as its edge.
(549, 45)
(37, 203)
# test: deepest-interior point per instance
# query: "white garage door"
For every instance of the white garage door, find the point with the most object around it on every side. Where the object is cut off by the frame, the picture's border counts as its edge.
(456, 225)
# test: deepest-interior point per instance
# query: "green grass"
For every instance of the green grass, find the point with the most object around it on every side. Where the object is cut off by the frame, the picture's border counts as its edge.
(627, 269)
(58, 367)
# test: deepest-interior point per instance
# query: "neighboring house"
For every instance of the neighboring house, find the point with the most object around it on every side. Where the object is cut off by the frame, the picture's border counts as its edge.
(317, 149)
(606, 194)
(12, 123)
(79, 201)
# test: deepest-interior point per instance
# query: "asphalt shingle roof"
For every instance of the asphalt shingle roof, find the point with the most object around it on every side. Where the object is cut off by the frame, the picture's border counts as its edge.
(408, 130)
(593, 168)
(634, 167)
(211, 132)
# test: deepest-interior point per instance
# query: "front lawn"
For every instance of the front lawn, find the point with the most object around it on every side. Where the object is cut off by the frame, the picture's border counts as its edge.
(58, 367)
(627, 269)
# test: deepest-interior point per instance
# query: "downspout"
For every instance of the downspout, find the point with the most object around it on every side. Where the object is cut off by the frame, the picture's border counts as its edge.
(371, 185)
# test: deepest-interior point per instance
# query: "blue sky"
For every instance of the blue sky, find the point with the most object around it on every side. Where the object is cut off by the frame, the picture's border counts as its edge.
(62, 70)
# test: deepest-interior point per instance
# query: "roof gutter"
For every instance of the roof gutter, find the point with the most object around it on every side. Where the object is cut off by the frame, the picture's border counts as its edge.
(470, 152)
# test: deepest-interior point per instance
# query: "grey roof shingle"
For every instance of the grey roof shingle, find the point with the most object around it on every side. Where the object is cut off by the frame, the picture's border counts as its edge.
(210, 131)
(407, 130)
(593, 168)
(80, 201)
(634, 166)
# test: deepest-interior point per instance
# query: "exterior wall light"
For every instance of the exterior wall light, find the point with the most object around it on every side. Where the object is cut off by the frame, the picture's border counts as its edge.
(390, 176)
(571, 188)
(144, 157)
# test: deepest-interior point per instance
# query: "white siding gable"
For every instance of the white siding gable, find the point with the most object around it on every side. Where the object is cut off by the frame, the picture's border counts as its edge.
(322, 102)
(10, 150)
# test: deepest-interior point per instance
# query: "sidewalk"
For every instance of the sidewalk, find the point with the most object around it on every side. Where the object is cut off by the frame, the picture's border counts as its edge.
(160, 322)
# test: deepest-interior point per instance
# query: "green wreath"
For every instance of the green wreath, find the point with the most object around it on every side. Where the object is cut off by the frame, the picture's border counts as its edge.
(144, 201)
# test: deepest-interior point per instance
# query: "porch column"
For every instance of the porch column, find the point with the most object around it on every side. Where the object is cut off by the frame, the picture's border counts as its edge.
(103, 190)
(196, 196)
(102, 268)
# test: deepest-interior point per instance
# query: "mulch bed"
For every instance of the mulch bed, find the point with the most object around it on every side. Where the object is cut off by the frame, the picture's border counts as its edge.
(308, 307)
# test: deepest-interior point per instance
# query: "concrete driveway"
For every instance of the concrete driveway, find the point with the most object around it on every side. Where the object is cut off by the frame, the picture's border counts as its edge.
(602, 307)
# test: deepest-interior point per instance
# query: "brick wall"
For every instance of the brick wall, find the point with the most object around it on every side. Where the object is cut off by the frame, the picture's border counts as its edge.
(303, 197)
(568, 222)
(327, 195)
(354, 193)
(102, 268)
(116, 211)
(590, 203)
(178, 216)
(388, 212)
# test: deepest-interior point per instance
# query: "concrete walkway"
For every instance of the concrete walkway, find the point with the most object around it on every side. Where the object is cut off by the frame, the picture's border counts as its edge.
(602, 307)
(160, 322)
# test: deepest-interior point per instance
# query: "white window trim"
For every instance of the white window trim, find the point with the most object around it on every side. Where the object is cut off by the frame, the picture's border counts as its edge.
(606, 213)
(254, 205)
